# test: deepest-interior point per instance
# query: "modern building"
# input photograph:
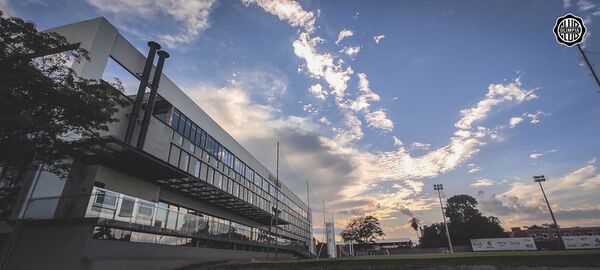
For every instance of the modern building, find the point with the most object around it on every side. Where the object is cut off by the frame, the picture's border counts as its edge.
(176, 191)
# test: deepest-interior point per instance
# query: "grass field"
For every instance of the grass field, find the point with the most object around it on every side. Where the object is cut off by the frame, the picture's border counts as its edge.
(586, 259)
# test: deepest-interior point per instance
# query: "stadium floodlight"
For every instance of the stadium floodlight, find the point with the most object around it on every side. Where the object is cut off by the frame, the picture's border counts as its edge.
(539, 179)
(439, 187)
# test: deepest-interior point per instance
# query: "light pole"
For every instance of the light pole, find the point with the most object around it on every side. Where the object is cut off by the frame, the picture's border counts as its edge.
(539, 179)
(439, 187)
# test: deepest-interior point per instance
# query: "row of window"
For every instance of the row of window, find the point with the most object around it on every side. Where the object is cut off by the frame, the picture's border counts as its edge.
(189, 130)
(241, 188)
(164, 216)
(198, 137)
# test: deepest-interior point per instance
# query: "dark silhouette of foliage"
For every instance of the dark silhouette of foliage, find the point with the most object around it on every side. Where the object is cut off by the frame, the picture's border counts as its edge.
(47, 112)
(362, 230)
(465, 222)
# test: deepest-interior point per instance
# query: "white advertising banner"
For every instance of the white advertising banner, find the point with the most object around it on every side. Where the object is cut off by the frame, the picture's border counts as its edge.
(498, 244)
(582, 242)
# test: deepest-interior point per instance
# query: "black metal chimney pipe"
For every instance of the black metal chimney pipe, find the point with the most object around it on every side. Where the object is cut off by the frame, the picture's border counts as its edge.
(139, 98)
(162, 55)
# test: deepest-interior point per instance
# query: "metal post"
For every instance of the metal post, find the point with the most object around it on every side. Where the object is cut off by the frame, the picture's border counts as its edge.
(141, 90)
(20, 218)
(277, 204)
(539, 179)
(439, 187)
(589, 65)
(162, 55)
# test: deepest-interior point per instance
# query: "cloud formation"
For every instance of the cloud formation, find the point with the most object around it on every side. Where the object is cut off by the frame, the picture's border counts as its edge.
(378, 38)
(344, 34)
(483, 182)
(193, 16)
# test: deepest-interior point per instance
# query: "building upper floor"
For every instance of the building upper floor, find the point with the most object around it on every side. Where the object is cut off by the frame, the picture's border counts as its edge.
(185, 149)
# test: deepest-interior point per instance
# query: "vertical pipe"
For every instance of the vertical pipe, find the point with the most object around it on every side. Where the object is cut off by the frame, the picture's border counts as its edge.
(277, 204)
(141, 90)
(162, 55)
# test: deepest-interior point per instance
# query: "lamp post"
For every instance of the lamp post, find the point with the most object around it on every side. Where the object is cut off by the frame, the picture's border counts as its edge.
(439, 187)
(539, 179)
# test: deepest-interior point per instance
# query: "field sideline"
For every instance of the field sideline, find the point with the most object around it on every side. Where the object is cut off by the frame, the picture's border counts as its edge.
(587, 258)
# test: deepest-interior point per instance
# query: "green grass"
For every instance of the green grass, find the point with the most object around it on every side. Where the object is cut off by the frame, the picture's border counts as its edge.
(530, 258)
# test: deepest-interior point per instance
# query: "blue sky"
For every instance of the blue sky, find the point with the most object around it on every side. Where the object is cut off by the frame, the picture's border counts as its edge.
(476, 95)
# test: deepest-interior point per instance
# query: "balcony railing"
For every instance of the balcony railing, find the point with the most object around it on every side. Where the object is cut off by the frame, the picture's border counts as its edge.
(114, 209)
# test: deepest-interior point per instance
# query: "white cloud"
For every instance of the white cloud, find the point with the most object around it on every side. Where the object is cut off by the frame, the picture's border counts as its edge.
(514, 121)
(322, 65)
(534, 118)
(473, 168)
(397, 141)
(420, 145)
(193, 15)
(351, 50)
(344, 34)
(535, 155)
(5, 8)
(523, 202)
(483, 182)
(287, 10)
(585, 5)
(378, 38)
(539, 155)
(496, 95)
(378, 119)
(318, 91)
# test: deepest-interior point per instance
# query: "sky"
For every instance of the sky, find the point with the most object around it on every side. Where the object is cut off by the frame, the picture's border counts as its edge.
(373, 102)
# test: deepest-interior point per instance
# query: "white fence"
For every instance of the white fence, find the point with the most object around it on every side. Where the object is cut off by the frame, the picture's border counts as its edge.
(582, 242)
(499, 244)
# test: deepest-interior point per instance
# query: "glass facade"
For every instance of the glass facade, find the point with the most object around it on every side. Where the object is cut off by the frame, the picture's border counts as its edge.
(195, 151)
(171, 219)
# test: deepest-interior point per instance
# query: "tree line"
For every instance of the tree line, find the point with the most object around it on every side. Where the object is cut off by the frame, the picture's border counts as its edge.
(465, 222)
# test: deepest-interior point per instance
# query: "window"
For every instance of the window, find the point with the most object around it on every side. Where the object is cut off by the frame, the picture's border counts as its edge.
(126, 208)
(184, 161)
(174, 156)
(193, 133)
(197, 167)
(218, 180)
(175, 119)
(203, 171)
(188, 128)
(181, 125)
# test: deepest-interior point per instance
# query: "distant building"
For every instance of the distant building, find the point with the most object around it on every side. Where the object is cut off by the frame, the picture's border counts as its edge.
(189, 193)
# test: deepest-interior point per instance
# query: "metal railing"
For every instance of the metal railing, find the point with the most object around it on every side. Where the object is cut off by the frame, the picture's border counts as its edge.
(120, 210)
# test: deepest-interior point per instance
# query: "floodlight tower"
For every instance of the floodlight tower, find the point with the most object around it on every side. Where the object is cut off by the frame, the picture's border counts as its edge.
(539, 179)
(439, 187)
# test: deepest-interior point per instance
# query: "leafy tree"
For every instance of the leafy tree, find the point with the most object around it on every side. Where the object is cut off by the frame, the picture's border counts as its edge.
(362, 230)
(47, 112)
(433, 235)
(465, 222)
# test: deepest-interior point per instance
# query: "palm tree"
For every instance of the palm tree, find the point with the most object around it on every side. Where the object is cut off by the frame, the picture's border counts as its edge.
(414, 223)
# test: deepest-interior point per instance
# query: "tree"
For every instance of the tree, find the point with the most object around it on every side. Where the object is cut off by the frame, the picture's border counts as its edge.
(465, 223)
(362, 230)
(47, 112)
(433, 236)
(414, 224)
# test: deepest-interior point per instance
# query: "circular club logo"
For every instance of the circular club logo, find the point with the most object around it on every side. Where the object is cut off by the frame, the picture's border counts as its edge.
(569, 30)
